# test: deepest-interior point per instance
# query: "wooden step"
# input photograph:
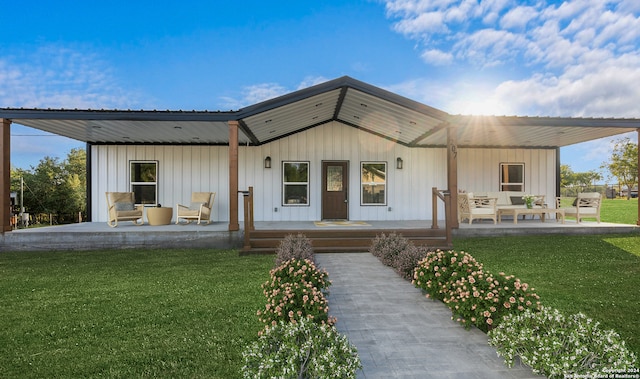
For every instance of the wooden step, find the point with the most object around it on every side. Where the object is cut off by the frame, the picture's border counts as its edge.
(339, 240)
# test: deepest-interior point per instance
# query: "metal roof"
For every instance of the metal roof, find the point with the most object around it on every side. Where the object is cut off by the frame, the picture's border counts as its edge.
(346, 100)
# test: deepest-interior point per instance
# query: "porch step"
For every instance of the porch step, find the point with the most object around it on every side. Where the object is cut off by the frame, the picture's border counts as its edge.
(339, 240)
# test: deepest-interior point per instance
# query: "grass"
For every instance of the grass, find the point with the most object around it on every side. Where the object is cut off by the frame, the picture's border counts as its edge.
(621, 211)
(133, 313)
(596, 275)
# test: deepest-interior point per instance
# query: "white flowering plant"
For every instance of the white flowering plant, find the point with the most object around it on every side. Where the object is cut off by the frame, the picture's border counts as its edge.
(528, 200)
(558, 346)
(301, 349)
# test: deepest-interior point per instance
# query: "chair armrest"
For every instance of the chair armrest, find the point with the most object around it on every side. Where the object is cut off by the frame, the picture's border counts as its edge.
(483, 202)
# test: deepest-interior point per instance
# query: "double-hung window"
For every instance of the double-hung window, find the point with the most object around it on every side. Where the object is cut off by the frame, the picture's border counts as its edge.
(373, 181)
(295, 183)
(144, 181)
(512, 177)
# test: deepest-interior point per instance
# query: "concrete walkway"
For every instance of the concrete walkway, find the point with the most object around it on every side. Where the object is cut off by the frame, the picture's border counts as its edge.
(398, 332)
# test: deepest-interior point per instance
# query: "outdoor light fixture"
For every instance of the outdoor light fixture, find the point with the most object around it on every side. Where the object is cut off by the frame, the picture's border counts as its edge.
(267, 162)
(399, 163)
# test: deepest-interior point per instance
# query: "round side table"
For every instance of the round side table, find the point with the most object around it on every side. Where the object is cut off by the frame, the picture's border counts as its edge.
(159, 215)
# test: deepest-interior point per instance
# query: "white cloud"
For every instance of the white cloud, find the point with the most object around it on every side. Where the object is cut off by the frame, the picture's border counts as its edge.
(577, 58)
(260, 92)
(55, 76)
(518, 18)
(437, 57)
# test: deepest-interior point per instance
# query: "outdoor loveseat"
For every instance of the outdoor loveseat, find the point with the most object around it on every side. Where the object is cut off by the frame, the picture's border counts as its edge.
(492, 205)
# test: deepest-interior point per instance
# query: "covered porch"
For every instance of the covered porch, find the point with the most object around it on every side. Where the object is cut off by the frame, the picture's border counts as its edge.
(343, 120)
(98, 235)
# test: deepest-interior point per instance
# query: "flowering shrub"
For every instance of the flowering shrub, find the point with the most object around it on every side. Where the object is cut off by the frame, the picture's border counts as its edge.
(407, 260)
(558, 346)
(387, 247)
(482, 299)
(475, 296)
(440, 269)
(294, 247)
(301, 350)
(295, 291)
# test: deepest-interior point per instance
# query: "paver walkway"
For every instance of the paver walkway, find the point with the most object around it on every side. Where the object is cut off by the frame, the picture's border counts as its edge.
(398, 332)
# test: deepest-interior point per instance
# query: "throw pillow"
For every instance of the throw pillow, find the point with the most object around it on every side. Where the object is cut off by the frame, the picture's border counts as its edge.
(121, 206)
(517, 200)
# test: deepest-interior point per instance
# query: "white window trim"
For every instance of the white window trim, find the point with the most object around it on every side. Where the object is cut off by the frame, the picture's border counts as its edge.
(362, 184)
(502, 183)
(307, 183)
(155, 184)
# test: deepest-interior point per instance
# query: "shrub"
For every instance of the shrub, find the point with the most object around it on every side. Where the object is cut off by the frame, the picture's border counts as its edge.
(294, 247)
(475, 296)
(407, 260)
(295, 291)
(439, 269)
(387, 247)
(482, 299)
(301, 350)
(558, 346)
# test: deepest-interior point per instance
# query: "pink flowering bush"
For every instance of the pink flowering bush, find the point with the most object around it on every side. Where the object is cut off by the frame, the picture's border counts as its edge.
(294, 246)
(474, 295)
(296, 291)
(482, 299)
(439, 270)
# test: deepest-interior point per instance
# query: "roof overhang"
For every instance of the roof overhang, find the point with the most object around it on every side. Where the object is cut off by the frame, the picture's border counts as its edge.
(345, 100)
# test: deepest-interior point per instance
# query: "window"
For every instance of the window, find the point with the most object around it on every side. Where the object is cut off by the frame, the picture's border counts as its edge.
(295, 183)
(144, 182)
(374, 183)
(512, 177)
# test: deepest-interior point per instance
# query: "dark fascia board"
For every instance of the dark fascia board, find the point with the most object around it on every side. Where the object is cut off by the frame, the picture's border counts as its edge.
(128, 115)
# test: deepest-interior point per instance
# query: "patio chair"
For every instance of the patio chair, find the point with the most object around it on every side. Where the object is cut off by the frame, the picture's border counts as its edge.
(121, 207)
(471, 208)
(200, 208)
(587, 204)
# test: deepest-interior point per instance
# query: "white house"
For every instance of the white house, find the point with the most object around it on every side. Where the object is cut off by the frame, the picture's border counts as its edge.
(342, 149)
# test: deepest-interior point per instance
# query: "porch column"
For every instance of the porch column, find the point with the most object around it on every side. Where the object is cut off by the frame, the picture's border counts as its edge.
(5, 176)
(452, 174)
(233, 176)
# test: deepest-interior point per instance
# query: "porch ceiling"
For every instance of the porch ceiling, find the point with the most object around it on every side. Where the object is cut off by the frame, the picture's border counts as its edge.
(344, 100)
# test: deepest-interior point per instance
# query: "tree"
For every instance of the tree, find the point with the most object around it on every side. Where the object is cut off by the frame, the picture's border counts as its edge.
(55, 187)
(623, 163)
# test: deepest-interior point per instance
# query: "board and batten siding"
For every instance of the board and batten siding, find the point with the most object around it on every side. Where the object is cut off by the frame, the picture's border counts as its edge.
(186, 169)
(479, 170)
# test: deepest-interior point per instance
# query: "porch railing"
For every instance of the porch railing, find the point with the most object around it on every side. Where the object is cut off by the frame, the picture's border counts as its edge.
(445, 196)
(248, 216)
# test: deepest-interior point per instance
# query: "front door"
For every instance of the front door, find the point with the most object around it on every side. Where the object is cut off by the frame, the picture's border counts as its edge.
(335, 190)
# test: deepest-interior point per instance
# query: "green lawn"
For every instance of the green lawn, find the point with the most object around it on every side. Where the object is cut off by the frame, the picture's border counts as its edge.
(621, 211)
(596, 275)
(133, 313)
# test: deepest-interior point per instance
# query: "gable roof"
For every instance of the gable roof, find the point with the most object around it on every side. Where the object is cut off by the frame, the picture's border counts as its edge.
(345, 100)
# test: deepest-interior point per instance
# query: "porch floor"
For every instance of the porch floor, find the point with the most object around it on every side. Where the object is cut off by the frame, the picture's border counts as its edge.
(98, 235)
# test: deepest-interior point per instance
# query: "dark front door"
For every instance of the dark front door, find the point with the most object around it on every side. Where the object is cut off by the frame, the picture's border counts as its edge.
(335, 190)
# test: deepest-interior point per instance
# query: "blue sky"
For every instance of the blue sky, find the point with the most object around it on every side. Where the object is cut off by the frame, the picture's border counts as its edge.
(578, 58)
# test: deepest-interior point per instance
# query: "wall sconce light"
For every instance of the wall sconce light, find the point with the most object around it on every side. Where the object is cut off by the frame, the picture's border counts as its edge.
(399, 163)
(267, 162)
